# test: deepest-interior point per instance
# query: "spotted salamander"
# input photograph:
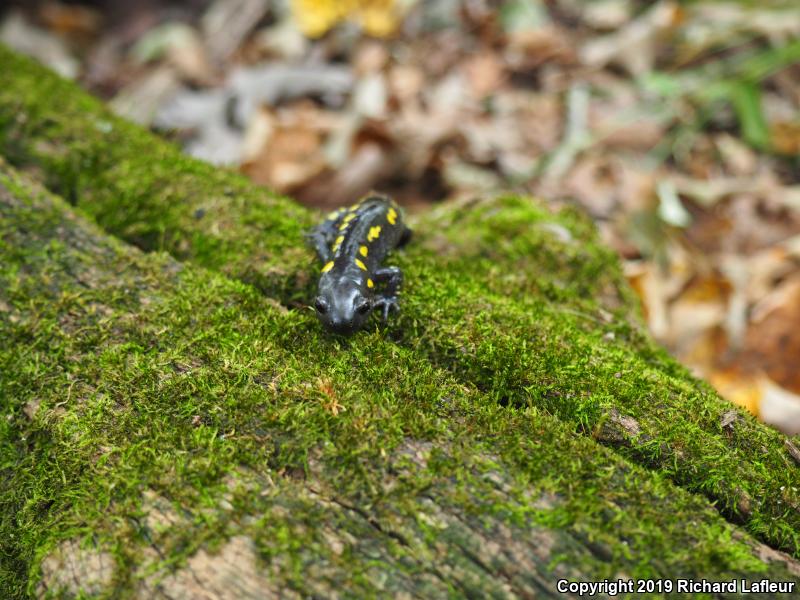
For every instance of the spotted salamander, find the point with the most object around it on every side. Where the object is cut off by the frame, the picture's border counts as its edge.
(351, 243)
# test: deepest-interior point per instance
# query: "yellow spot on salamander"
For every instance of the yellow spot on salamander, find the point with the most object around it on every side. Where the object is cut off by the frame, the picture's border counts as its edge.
(361, 265)
(391, 216)
(334, 215)
(343, 226)
(374, 232)
(348, 218)
(370, 284)
(338, 243)
(328, 266)
(363, 250)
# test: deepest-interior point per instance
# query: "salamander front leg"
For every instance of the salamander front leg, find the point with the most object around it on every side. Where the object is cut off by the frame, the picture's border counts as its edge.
(392, 277)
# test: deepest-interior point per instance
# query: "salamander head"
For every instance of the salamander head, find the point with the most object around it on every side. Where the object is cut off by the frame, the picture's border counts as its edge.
(341, 305)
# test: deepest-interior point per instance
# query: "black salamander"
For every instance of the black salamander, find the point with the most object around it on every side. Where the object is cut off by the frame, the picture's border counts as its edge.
(351, 243)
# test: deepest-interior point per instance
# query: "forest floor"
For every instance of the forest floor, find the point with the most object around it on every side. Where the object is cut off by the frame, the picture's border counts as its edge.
(676, 125)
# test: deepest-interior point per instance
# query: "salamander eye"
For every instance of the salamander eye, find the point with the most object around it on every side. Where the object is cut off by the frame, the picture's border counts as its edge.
(363, 307)
(321, 305)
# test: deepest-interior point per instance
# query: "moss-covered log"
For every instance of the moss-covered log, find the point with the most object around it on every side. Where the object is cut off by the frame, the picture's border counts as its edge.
(510, 299)
(169, 433)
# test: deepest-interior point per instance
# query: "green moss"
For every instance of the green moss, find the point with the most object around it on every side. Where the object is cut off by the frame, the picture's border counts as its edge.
(523, 343)
(506, 298)
(143, 388)
(144, 189)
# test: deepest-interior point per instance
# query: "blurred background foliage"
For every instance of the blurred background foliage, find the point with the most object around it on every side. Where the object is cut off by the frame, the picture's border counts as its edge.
(676, 125)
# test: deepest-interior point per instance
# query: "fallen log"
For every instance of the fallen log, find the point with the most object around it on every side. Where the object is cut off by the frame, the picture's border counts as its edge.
(522, 304)
(171, 433)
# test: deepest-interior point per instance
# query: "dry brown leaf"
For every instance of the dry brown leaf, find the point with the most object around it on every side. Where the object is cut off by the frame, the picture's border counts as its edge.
(649, 285)
(226, 24)
(773, 342)
(704, 353)
(780, 407)
(739, 388)
(292, 155)
(370, 57)
(259, 131)
(178, 45)
(701, 307)
(635, 45)
(629, 131)
(361, 173)
(606, 14)
(485, 74)
(522, 127)
(738, 158)
(406, 83)
(140, 100)
(637, 187)
(70, 19)
(594, 182)
(282, 41)
(736, 271)
(772, 279)
(620, 118)
(785, 137)
(531, 48)
(761, 396)
(419, 136)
